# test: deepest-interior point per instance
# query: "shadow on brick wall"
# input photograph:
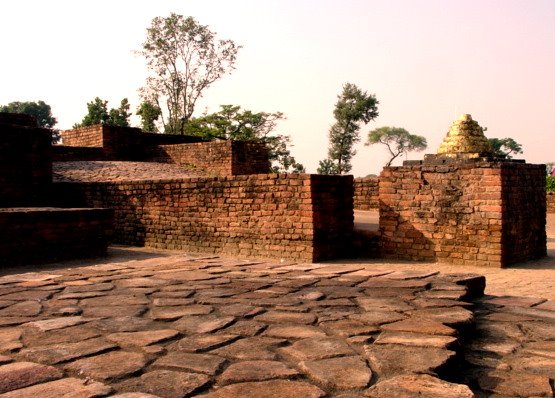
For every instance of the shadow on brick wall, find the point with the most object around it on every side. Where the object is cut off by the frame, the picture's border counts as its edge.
(401, 240)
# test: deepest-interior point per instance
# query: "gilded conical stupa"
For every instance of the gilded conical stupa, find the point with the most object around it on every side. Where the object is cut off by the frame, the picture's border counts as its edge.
(466, 139)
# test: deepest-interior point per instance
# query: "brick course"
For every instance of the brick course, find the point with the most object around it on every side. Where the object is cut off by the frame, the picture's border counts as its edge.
(366, 193)
(219, 158)
(551, 202)
(291, 216)
(39, 235)
(488, 213)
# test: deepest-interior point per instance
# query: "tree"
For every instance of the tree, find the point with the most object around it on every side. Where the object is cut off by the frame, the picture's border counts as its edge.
(397, 141)
(184, 59)
(149, 113)
(97, 113)
(352, 108)
(233, 123)
(505, 147)
(40, 110)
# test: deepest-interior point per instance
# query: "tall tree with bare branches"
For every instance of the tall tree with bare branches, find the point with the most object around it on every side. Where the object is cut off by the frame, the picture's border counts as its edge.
(184, 59)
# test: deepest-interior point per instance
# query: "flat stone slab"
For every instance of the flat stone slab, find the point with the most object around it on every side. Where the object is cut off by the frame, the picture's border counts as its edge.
(205, 342)
(415, 339)
(202, 324)
(166, 383)
(273, 388)
(142, 338)
(198, 363)
(53, 354)
(515, 384)
(175, 312)
(418, 386)
(109, 366)
(338, 373)
(317, 348)
(260, 370)
(392, 359)
(18, 375)
(419, 325)
(253, 348)
(60, 388)
(294, 331)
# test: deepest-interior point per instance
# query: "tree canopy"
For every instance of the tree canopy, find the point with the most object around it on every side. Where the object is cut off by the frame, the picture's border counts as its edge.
(39, 109)
(397, 140)
(149, 114)
(505, 147)
(352, 108)
(234, 123)
(98, 113)
(184, 59)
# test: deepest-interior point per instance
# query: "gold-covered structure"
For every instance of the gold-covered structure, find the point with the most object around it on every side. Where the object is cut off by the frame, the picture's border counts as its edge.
(466, 139)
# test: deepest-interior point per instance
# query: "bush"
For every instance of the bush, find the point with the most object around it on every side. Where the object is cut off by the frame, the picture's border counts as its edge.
(550, 184)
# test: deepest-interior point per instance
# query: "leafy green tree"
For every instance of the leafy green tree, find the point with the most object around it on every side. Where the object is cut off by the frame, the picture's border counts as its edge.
(98, 113)
(184, 59)
(120, 116)
(39, 109)
(397, 140)
(353, 107)
(233, 123)
(149, 114)
(505, 147)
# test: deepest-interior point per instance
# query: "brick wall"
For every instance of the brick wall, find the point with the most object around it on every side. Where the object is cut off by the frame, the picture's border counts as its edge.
(524, 212)
(551, 202)
(62, 153)
(40, 235)
(470, 214)
(89, 136)
(18, 119)
(292, 216)
(25, 165)
(366, 193)
(218, 158)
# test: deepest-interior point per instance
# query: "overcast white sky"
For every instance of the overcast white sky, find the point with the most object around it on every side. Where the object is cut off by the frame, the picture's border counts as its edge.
(427, 61)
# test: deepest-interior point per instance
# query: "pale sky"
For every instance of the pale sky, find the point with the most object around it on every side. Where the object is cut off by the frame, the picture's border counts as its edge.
(427, 61)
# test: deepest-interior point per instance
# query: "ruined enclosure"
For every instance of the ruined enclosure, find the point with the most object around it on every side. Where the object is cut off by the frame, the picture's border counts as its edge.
(30, 232)
(474, 214)
(462, 206)
(291, 216)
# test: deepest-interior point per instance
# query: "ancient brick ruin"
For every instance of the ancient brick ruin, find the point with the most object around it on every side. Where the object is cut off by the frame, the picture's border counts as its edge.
(32, 231)
(173, 192)
(463, 206)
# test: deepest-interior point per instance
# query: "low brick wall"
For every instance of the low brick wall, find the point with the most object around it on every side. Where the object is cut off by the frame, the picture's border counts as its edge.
(551, 202)
(474, 214)
(25, 165)
(291, 216)
(62, 153)
(219, 158)
(41, 235)
(366, 193)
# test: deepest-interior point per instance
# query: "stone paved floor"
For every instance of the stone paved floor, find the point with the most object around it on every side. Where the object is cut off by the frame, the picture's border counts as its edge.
(145, 323)
(177, 326)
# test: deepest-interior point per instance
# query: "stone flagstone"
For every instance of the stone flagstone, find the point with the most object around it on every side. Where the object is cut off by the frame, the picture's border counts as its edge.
(61, 388)
(418, 386)
(261, 370)
(24, 374)
(109, 366)
(341, 372)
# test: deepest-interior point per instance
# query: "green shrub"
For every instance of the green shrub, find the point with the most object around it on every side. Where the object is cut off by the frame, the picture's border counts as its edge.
(550, 184)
